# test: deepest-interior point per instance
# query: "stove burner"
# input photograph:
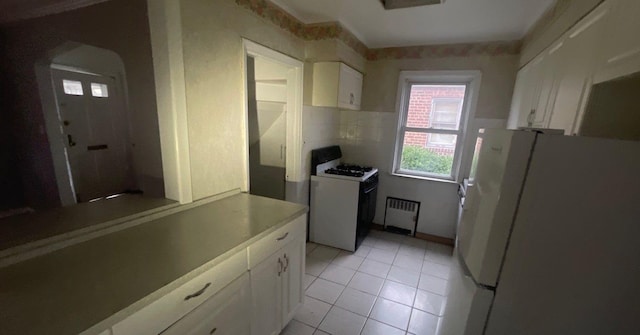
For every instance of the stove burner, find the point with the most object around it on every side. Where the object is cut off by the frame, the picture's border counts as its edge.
(350, 173)
(351, 167)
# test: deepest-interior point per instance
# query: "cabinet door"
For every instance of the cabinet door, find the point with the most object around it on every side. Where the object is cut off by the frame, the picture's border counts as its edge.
(266, 296)
(222, 314)
(523, 95)
(622, 45)
(575, 70)
(547, 89)
(292, 278)
(350, 88)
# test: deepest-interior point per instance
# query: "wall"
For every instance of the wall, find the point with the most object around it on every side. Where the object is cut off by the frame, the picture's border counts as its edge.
(553, 24)
(214, 76)
(11, 191)
(369, 137)
(30, 41)
(320, 128)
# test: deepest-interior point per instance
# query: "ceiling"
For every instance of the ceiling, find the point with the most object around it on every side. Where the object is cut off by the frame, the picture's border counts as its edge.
(455, 21)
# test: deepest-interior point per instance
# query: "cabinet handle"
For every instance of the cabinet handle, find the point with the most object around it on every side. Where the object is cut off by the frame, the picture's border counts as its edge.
(282, 237)
(286, 264)
(198, 293)
(531, 117)
(213, 330)
(351, 98)
(279, 267)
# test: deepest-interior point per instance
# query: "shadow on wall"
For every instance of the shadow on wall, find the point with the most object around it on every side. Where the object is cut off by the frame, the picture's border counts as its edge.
(27, 166)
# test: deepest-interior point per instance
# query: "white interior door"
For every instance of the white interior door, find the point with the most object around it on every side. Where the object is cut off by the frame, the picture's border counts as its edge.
(94, 128)
(267, 120)
(272, 125)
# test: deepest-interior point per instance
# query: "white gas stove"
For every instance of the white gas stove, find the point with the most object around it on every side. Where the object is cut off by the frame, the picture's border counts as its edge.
(343, 200)
(335, 169)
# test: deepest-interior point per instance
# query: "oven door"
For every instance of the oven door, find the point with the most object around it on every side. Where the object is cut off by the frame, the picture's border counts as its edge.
(366, 208)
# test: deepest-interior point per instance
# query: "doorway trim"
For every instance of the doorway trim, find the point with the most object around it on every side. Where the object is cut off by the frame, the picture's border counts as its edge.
(294, 140)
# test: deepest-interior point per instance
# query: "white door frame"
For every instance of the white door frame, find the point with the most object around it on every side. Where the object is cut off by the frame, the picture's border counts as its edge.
(294, 109)
(52, 120)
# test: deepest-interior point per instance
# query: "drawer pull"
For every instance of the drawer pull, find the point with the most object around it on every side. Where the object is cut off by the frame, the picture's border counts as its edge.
(198, 293)
(213, 331)
(282, 237)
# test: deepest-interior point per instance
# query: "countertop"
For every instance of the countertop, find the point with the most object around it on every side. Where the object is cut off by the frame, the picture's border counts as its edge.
(16, 231)
(103, 280)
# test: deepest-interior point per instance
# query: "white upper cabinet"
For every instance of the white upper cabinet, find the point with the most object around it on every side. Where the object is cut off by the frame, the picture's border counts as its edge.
(336, 85)
(524, 95)
(547, 86)
(551, 91)
(579, 56)
(621, 48)
(534, 90)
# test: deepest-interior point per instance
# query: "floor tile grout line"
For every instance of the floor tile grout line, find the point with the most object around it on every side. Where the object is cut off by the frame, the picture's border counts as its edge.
(385, 278)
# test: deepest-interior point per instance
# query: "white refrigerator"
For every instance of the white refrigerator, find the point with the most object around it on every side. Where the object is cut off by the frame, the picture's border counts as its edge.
(549, 240)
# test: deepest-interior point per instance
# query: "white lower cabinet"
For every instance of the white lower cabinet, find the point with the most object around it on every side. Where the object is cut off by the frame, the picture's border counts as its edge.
(228, 299)
(222, 314)
(277, 288)
(162, 313)
(266, 296)
(292, 279)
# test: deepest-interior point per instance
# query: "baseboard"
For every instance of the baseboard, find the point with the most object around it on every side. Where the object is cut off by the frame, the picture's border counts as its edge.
(423, 236)
(436, 239)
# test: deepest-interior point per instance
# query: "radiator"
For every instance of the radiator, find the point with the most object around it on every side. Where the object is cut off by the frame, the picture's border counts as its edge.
(401, 215)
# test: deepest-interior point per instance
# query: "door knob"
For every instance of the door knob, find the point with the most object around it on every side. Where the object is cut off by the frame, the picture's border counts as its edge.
(66, 122)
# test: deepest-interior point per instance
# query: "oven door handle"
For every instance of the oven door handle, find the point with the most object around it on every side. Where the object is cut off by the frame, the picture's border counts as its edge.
(370, 189)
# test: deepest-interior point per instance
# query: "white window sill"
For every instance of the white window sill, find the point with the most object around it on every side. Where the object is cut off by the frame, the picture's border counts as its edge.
(403, 175)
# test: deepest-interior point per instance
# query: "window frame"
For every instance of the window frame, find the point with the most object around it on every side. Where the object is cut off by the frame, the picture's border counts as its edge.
(471, 79)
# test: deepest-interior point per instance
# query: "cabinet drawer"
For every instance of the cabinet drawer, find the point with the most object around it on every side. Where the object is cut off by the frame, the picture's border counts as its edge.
(222, 314)
(266, 246)
(163, 312)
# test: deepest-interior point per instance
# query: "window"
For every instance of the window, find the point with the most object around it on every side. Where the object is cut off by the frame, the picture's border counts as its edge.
(99, 90)
(431, 127)
(72, 87)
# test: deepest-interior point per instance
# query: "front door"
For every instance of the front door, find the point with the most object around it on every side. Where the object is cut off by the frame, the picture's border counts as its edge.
(94, 126)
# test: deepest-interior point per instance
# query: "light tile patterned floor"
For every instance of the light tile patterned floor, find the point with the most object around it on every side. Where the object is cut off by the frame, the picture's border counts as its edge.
(391, 285)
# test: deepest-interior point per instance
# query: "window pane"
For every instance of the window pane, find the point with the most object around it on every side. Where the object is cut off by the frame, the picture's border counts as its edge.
(428, 153)
(99, 90)
(72, 87)
(436, 106)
